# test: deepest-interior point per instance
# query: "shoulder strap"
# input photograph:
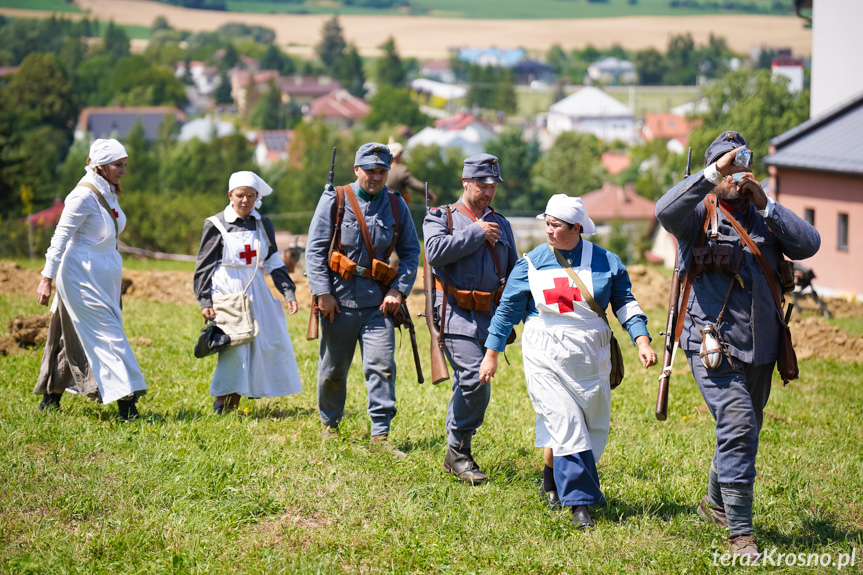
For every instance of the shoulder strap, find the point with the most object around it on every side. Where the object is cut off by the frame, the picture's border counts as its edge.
(710, 219)
(394, 206)
(463, 210)
(361, 222)
(580, 284)
(338, 216)
(101, 199)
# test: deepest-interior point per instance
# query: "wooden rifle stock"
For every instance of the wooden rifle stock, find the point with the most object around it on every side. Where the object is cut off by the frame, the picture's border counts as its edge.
(440, 371)
(314, 314)
(670, 346)
(407, 320)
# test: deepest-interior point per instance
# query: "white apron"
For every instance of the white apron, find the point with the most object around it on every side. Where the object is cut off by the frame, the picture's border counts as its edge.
(88, 282)
(265, 367)
(567, 362)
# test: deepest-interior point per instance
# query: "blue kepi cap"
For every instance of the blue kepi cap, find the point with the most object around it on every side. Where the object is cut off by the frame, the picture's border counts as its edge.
(483, 168)
(373, 155)
(724, 143)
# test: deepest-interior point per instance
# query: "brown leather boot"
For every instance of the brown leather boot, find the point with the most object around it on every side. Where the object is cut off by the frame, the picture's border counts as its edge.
(460, 463)
(744, 546)
(711, 513)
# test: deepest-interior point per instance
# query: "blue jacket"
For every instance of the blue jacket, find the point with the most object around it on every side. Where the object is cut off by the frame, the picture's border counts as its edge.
(611, 284)
(469, 262)
(751, 322)
(360, 292)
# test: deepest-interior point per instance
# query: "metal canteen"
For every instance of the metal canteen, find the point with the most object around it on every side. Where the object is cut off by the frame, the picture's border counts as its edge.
(711, 354)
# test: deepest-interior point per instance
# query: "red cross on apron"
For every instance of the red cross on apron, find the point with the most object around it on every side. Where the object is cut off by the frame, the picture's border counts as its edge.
(562, 294)
(248, 254)
(116, 214)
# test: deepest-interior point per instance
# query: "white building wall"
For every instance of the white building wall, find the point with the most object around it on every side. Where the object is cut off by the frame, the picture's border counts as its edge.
(836, 50)
(606, 129)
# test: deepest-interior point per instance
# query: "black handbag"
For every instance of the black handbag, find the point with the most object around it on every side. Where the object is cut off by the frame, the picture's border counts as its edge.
(212, 340)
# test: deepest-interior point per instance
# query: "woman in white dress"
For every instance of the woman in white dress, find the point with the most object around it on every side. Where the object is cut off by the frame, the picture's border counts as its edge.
(87, 352)
(235, 244)
(566, 349)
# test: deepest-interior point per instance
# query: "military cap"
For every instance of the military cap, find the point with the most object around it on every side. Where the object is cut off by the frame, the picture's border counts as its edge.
(373, 155)
(484, 168)
(724, 143)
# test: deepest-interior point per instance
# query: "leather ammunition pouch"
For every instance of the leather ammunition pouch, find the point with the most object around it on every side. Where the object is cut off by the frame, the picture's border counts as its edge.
(713, 257)
(347, 268)
(342, 265)
(471, 299)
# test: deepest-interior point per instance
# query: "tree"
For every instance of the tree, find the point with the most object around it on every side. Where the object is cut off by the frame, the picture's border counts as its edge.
(571, 165)
(350, 72)
(441, 168)
(332, 46)
(272, 59)
(394, 107)
(651, 67)
(40, 93)
(682, 68)
(230, 58)
(390, 69)
(517, 159)
(267, 112)
(556, 58)
(222, 93)
(116, 42)
(754, 104)
(143, 168)
(505, 99)
(160, 23)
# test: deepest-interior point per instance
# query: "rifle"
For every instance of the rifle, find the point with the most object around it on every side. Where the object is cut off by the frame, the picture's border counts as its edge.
(315, 314)
(440, 372)
(403, 317)
(671, 343)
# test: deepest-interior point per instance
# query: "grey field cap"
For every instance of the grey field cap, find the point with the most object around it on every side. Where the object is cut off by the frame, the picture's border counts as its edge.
(373, 155)
(483, 168)
(724, 143)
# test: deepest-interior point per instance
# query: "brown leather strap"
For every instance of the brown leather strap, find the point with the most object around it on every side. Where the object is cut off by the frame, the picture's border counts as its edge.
(585, 293)
(686, 282)
(104, 203)
(338, 215)
(361, 222)
(445, 282)
(759, 257)
(463, 210)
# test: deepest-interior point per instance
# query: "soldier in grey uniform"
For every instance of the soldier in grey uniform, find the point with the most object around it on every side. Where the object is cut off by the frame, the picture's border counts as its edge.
(360, 308)
(471, 260)
(734, 287)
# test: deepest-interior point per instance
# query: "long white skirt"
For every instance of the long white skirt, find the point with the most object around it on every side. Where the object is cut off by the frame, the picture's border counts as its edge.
(265, 367)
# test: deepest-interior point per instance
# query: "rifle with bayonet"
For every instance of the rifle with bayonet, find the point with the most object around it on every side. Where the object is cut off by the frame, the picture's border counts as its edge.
(440, 372)
(314, 316)
(671, 341)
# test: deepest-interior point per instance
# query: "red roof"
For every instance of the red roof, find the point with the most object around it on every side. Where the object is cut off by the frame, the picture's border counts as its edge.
(48, 218)
(339, 104)
(458, 122)
(612, 202)
(666, 126)
(308, 85)
(615, 162)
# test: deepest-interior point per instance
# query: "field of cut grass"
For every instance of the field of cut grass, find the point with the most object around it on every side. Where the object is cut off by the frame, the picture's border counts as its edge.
(184, 491)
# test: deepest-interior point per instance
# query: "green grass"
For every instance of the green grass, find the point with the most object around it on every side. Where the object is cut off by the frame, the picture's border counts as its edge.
(50, 5)
(183, 491)
(490, 9)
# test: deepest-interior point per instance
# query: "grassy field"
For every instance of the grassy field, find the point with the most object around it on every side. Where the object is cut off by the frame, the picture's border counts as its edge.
(50, 5)
(183, 491)
(504, 9)
(647, 99)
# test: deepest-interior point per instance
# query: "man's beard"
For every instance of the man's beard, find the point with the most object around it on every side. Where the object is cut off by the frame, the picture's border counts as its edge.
(728, 193)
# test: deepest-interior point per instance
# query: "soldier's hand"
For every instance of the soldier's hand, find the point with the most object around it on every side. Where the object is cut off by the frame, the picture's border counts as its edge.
(393, 301)
(725, 164)
(329, 306)
(491, 230)
(292, 307)
(753, 190)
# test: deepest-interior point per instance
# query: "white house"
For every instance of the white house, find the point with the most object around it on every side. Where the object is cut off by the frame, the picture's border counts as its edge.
(592, 111)
(463, 131)
(612, 70)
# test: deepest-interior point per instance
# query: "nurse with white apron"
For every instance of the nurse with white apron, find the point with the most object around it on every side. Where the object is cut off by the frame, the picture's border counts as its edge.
(237, 247)
(566, 350)
(87, 352)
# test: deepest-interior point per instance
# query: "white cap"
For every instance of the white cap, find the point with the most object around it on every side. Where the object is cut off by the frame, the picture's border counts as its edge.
(104, 152)
(251, 180)
(571, 211)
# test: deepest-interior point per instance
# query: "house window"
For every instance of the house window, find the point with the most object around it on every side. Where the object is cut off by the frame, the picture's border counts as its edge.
(842, 233)
(809, 216)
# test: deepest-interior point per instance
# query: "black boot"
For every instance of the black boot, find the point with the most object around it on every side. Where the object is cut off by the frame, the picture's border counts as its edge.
(460, 463)
(581, 518)
(50, 401)
(127, 409)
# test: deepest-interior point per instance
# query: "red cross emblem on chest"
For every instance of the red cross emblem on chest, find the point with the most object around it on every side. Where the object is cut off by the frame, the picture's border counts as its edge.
(562, 294)
(248, 254)
(116, 215)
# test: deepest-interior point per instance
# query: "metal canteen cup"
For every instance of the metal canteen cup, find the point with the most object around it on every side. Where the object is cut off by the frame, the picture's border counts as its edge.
(711, 353)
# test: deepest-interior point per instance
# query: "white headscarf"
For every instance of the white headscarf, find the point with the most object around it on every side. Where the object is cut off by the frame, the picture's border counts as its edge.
(571, 211)
(251, 180)
(104, 152)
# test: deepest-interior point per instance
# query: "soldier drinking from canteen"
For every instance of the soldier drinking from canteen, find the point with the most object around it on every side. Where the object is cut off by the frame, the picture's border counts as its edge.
(354, 231)
(472, 250)
(732, 241)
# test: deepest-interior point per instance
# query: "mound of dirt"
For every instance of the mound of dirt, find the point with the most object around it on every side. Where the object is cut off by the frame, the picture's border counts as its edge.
(814, 337)
(838, 307)
(15, 280)
(30, 330)
(649, 287)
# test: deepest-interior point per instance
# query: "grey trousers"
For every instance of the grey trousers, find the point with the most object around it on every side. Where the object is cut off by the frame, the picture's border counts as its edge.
(466, 409)
(375, 334)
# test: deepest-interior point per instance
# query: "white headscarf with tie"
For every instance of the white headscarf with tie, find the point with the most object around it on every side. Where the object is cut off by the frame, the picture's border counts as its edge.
(571, 211)
(250, 180)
